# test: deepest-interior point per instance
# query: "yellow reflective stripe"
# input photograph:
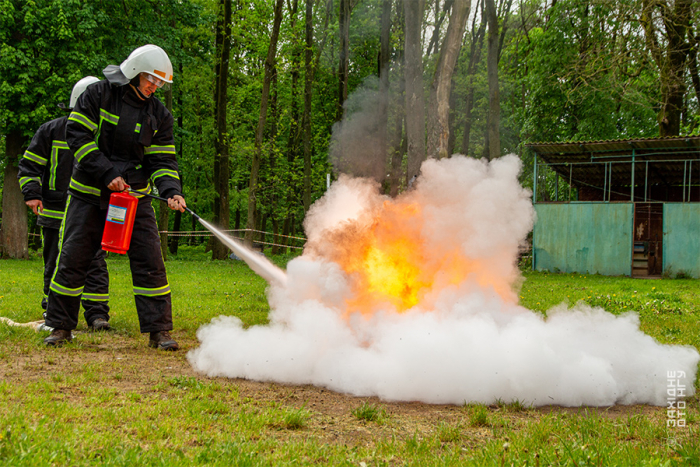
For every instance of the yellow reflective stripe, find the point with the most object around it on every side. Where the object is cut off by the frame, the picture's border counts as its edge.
(111, 118)
(165, 172)
(138, 128)
(84, 188)
(83, 120)
(52, 214)
(34, 158)
(24, 180)
(59, 289)
(169, 149)
(85, 150)
(152, 292)
(56, 146)
(96, 297)
(140, 193)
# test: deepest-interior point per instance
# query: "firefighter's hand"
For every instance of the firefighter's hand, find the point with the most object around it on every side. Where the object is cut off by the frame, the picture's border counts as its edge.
(177, 203)
(118, 184)
(36, 205)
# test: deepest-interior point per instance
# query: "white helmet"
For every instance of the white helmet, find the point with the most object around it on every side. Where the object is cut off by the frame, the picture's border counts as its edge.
(79, 87)
(149, 59)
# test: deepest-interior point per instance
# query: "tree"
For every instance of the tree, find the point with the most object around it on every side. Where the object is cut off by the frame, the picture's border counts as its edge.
(46, 48)
(415, 101)
(475, 48)
(257, 154)
(670, 54)
(221, 161)
(308, 85)
(439, 107)
(494, 116)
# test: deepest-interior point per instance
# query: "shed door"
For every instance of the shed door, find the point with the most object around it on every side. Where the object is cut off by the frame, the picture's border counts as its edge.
(647, 246)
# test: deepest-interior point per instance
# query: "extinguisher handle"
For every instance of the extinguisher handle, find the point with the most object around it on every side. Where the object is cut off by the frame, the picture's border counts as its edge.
(163, 199)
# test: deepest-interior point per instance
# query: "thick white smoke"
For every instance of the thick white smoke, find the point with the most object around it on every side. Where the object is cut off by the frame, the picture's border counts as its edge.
(466, 341)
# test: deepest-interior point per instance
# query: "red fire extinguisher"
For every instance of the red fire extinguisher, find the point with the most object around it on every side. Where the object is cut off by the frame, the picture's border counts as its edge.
(119, 223)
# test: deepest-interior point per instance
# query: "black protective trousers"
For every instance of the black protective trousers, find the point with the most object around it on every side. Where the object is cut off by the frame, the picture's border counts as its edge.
(96, 282)
(81, 239)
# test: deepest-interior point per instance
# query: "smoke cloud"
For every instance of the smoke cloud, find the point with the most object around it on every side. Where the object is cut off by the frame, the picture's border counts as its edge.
(356, 147)
(464, 338)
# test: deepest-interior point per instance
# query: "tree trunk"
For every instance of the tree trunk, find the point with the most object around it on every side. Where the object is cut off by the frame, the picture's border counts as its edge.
(439, 106)
(308, 83)
(671, 62)
(343, 60)
(435, 38)
(13, 230)
(294, 126)
(415, 100)
(494, 114)
(257, 153)
(221, 165)
(474, 59)
(175, 240)
(163, 209)
(383, 67)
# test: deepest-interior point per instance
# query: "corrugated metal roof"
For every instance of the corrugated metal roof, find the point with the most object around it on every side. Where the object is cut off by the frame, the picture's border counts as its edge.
(620, 146)
(585, 161)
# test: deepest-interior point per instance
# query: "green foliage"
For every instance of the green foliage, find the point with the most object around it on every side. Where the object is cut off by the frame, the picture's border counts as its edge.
(585, 77)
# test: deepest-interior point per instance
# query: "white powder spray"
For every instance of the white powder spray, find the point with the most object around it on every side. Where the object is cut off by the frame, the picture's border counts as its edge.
(462, 341)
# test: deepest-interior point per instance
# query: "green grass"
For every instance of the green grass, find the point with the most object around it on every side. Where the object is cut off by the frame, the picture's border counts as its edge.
(108, 399)
(369, 413)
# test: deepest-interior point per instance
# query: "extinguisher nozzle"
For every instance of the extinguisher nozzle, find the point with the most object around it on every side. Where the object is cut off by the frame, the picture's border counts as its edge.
(196, 217)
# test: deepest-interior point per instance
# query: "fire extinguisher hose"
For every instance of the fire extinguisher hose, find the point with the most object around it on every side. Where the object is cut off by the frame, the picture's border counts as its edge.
(135, 193)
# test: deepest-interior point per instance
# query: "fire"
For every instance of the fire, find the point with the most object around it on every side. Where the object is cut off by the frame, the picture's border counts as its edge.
(389, 260)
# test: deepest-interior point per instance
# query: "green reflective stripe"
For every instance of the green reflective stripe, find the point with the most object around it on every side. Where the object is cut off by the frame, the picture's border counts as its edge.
(34, 158)
(165, 172)
(60, 144)
(111, 118)
(52, 214)
(138, 128)
(169, 149)
(152, 292)
(83, 120)
(96, 297)
(24, 180)
(59, 289)
(84, 188)
(85, 150)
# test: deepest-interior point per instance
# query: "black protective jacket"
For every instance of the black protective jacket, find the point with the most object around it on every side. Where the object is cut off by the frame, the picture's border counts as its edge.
(45, 171)
(113, 133)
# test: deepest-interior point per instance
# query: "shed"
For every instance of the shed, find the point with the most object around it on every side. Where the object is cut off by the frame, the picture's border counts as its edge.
(622, 207)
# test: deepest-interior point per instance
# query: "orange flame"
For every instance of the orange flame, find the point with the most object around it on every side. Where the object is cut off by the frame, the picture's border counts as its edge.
(388, 261)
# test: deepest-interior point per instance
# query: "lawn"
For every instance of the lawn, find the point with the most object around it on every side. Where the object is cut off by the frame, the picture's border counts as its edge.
(108, 399)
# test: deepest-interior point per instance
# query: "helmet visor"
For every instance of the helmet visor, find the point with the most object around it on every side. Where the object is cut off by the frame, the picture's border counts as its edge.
(157, 81)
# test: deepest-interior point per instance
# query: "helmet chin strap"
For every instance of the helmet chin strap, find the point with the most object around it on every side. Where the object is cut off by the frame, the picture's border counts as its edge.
(139, 94)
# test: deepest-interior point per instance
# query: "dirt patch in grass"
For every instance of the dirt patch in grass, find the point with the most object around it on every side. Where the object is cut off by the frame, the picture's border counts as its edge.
(126, 365)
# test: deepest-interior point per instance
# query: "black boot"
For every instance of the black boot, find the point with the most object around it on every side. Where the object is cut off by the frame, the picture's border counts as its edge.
(58, 337)
(100, 324)
(161, 340)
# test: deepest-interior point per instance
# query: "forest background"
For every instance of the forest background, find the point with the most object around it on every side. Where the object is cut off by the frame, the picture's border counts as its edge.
(272, 98)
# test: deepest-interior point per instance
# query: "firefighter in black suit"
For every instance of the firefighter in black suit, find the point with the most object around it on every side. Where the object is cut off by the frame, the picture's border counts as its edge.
(122, 138)
(44, 173)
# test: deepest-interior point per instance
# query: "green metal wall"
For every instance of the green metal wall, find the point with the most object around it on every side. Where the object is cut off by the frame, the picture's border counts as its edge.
(584, 237)
(682, 238)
